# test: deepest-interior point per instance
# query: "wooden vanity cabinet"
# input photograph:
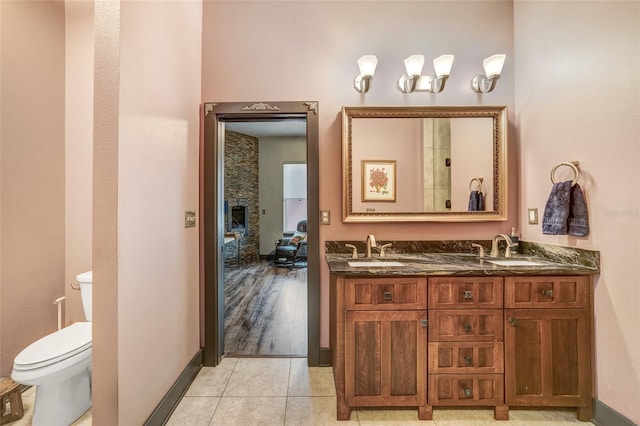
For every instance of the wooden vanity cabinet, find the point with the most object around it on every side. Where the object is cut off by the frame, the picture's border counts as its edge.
(548, 342)
(380, 338)
(465, 354)
(519, 341)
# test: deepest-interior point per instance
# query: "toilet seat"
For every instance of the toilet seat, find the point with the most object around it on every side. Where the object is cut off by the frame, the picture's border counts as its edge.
(55, 347)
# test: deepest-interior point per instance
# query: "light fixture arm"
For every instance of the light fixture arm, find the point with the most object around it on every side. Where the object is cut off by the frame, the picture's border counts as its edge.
(362, 83)
(413, 81)
(484, 84)
(437, 84)
(422, 83)
(408, 84)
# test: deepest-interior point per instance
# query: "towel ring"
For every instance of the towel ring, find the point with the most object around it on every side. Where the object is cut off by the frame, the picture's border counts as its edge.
(564, 163)
(479, 180)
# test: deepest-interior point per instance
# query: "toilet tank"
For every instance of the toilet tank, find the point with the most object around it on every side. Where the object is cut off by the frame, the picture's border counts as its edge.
(85, 280)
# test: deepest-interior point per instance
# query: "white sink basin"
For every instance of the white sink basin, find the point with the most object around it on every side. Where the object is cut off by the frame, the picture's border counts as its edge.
(515, 262)
(374, 264)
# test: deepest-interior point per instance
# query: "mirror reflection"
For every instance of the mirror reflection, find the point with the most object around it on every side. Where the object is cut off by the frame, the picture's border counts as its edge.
(424, 163)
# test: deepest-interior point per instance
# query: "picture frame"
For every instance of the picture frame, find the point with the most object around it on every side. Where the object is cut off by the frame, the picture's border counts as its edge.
(379, 180)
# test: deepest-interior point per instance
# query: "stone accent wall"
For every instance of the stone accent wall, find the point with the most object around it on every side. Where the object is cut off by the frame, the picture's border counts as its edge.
(241, 184)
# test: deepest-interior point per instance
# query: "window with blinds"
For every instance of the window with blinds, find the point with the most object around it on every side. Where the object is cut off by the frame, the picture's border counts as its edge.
(294, 195)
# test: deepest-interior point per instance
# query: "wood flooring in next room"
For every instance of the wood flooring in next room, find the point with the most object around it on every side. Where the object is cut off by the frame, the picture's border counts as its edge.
(265, 311)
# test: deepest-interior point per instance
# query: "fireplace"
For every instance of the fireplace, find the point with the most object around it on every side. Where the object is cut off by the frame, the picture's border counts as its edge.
(238, 219)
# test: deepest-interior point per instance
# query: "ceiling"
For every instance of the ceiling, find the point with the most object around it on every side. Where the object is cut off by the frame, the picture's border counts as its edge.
(269, 128)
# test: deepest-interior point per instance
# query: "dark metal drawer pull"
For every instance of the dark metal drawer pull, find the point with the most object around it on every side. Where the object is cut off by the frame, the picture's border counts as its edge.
(468, 294)
(513, 321)
(468, 360)
(468, 393)
(467, 327)
(388, 296)
(547, 293)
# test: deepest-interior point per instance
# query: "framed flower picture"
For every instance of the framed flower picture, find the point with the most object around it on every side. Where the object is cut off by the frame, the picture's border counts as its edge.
(379, 180)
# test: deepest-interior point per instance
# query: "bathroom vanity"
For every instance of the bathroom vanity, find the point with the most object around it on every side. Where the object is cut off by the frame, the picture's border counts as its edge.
(453, 330)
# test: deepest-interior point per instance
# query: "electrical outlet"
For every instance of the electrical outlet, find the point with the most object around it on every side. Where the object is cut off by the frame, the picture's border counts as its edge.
(533, 216)
(325, 217)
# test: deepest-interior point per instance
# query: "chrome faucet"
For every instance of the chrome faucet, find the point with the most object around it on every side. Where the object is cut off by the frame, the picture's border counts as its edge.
(494, 245)
(371, 242)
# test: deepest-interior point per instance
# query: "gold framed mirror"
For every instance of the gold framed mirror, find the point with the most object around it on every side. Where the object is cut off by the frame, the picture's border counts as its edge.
(424, 163)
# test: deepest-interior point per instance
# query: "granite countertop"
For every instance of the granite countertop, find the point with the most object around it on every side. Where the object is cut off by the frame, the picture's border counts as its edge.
(461, 264)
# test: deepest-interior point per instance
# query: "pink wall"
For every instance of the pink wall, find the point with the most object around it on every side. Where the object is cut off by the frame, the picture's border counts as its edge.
(135, 128)
(154, 145)
(105, 243)
(471, 159)
(79, 50)
(32, 168)
(397, 140)
(287, 51)
(578, 98)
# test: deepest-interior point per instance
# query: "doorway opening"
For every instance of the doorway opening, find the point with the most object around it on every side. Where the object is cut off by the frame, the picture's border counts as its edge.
(217, 208)
(265, 193)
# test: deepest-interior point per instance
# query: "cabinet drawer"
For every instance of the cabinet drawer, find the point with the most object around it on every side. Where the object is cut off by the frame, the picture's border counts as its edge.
(465, 358)
(468, 325)
(465, 292)
(466, 389)
(386, 294)
(547, 292)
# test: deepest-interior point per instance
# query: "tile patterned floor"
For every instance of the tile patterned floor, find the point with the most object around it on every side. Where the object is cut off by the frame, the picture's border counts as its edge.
(284, 391)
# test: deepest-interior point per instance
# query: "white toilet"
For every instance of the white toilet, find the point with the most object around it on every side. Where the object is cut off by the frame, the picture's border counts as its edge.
(60, 366)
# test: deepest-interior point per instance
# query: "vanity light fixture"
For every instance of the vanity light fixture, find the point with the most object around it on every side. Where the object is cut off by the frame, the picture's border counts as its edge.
(413, 81)
(367, 65)
(413, 66)
(492, 69)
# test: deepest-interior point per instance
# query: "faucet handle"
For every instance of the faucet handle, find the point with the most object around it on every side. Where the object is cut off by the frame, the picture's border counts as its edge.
(480, 249)
(510, 243)
(354, 253)
(384, 246)
(507, 252)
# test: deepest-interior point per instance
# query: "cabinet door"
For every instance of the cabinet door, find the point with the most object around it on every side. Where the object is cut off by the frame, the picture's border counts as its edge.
(385, 358)
(547, 357)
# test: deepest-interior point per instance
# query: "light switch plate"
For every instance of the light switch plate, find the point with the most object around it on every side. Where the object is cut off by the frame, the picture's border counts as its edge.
(533, 216)
(189, 218)
(325, 217)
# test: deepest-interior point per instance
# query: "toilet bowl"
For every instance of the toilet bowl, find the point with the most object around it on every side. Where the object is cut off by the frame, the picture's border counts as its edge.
(59, 365)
